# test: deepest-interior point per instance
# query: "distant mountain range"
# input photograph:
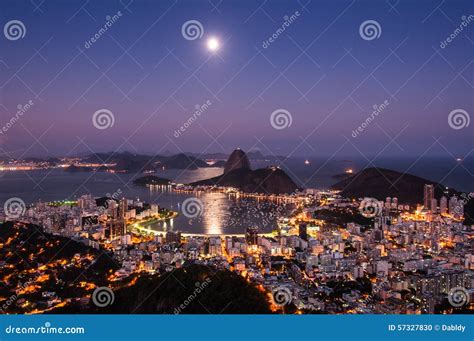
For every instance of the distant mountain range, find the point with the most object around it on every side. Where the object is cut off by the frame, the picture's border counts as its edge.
(128, 162)
(134, 162)
(131, 162)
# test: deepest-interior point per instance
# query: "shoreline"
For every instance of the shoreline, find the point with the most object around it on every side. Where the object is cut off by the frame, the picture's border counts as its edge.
(187, 234)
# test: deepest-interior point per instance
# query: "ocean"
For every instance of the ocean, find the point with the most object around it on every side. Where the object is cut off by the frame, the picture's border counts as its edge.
(222, 213)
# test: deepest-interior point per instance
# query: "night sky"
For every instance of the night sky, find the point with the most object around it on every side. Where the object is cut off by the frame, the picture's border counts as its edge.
(319, 69)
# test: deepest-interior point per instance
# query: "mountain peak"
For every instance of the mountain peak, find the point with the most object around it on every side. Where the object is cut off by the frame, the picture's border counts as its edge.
(237, 160)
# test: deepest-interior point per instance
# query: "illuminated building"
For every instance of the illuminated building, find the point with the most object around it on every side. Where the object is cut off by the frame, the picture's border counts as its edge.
(443, 205)
(434, 205)
(123, 207)
(115, 228)
(358, 272)
(456, 207)
(86, 202)
(112, 208)
(251, 235)
(453, 203)
(428, 196)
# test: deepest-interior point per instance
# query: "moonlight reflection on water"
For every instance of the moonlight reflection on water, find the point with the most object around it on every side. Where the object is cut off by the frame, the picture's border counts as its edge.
(225, 214)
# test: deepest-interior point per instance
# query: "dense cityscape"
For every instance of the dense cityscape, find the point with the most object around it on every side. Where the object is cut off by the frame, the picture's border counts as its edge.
(330, 255)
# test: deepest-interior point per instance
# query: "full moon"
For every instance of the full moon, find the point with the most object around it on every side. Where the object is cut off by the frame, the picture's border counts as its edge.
(213, 44)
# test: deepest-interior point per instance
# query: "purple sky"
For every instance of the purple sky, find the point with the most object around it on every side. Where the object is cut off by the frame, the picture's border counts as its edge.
(319, 69)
